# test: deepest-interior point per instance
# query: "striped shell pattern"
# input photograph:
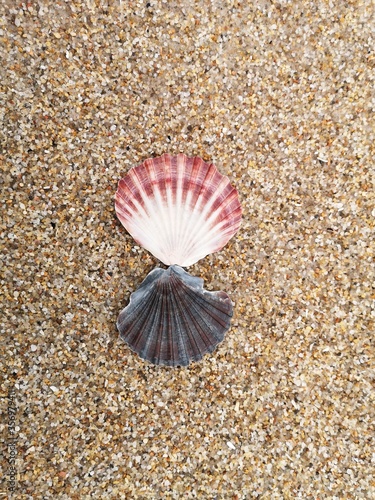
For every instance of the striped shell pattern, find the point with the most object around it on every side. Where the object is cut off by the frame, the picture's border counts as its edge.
(171, 320)
(180, 209)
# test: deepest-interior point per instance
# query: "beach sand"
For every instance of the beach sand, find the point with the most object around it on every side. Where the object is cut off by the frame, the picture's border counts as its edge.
(280, 96)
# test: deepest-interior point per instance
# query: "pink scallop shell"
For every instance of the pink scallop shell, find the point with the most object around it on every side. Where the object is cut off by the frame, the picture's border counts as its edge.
(179, 208)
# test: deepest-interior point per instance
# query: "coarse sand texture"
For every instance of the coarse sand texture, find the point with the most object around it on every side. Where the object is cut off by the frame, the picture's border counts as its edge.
(280, 97)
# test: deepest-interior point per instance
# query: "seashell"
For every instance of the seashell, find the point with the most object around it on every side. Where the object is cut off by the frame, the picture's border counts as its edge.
(180, 209)
(171, 320)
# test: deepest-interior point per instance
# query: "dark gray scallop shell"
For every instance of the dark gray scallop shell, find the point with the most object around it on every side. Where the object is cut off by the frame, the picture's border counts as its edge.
(171, 320)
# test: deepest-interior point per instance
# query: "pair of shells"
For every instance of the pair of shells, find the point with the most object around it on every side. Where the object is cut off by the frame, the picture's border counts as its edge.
(180, 209)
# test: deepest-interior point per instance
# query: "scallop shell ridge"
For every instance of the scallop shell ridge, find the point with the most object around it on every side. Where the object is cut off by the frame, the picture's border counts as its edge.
(171, 320)
(179, 208)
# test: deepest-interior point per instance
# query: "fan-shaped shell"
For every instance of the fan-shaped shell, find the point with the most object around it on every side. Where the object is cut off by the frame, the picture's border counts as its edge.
(179, 208)
(171, 320)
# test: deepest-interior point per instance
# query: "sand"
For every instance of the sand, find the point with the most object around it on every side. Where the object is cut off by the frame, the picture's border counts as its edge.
(280, 96)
